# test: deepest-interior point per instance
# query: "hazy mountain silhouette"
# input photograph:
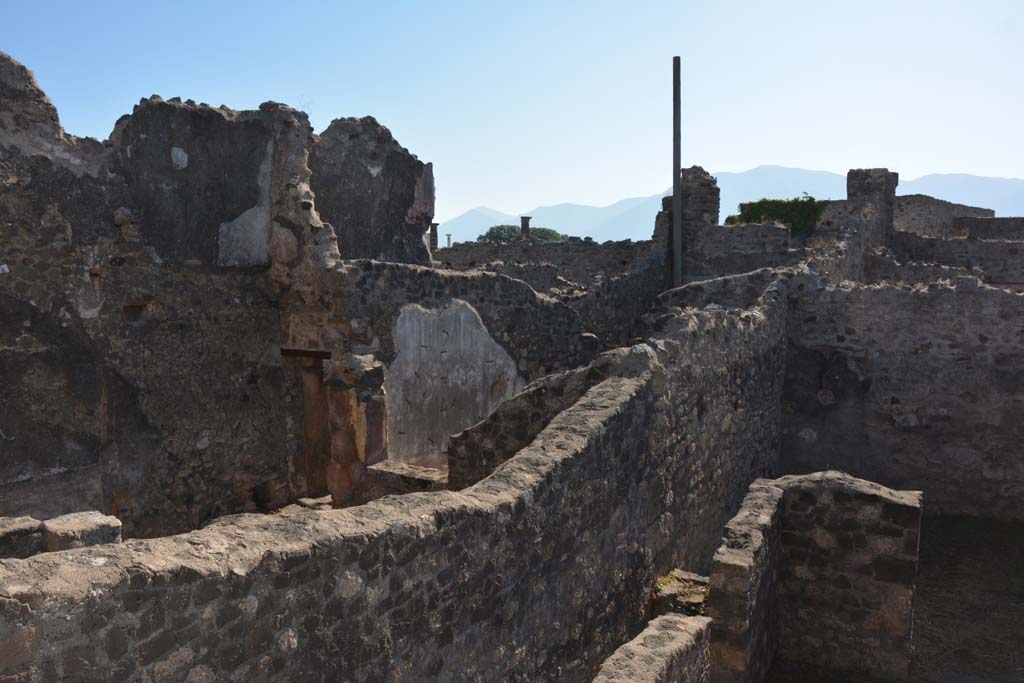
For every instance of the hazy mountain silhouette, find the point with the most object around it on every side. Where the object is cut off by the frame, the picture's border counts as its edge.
(633, 218)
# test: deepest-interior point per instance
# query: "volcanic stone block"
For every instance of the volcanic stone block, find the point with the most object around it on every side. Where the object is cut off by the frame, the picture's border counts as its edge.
(20, 537)
(81, 529)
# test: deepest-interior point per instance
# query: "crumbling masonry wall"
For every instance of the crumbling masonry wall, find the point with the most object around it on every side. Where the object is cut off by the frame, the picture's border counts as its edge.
(989, 228)
(610, 285)
(916, 388)
(1000, 260)
(816, 571)
(378, 196)
(930, 217)
(150, 354)
(672, 649)
(633, 479)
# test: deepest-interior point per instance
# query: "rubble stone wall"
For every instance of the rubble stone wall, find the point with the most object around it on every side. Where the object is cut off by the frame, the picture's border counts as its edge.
(378, 196)
(725, 370)
(849, 565)
(881, 266)
(741, 290)
(147, 286)
(539, 263)
(634, 479)
(672, 649)
(540, 334)
(743, 602)
(142, 378)
(915, 388)
(610, 285)
(930, 217)
(988, 228)
(1000, 260)
(816, 569)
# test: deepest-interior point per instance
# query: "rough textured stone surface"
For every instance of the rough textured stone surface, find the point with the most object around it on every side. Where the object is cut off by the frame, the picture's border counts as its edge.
(147, 287)
(710, 249)
(915, 388)
(629, 482)
(1000, 261)
(881, 266)
(816, 569)
(672, 649)
(741, 290)
(550, 267)
(610, 285)
(875, 187)
(20, 537)
(931, 217)
(681, 592)
(477, 451)
(988, 228)
(378, 196)
(743, 603)
(849, 566)
(391, 478)
(80, 529)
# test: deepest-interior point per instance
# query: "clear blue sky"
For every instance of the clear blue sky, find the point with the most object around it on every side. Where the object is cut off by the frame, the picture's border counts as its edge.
(529, 103)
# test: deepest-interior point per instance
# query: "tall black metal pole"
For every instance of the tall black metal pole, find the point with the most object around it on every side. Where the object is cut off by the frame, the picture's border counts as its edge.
(677, 195)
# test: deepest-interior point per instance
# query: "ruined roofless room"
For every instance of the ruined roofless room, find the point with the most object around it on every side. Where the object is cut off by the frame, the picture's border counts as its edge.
(284, 400)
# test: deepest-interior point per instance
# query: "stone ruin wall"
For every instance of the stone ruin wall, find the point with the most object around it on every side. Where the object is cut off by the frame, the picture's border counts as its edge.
(881, 266)
(930, 217)
(816, 575)
(143, 375)
(914, 388)
(1000, 260)
(378, 196)
(548, 265)
(635, 478)
(594, 480)
(602, 282)
(672, 649)
(988, 228)
(172, 362)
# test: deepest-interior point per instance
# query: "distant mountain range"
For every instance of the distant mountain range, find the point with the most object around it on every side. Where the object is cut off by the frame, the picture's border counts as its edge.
(634, 218)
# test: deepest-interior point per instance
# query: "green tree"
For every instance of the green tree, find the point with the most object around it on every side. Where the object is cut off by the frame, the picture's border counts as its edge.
(503, 234)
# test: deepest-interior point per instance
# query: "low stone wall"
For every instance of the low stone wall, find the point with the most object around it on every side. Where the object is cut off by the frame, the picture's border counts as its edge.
(881, 266)
(724, 374)
(730, 291)
(988, 228)
(672, 649)
(931, 217)
(849, 566)
(916, 388)
(743, 602)
(1000, 260)
(477, 451)
(20, 537)
(816, 570)
(539, 263)
(725, 249)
